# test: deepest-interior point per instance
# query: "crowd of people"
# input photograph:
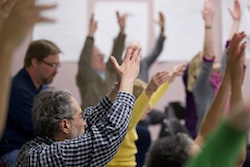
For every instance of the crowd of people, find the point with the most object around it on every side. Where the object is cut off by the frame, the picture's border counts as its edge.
(45, 126)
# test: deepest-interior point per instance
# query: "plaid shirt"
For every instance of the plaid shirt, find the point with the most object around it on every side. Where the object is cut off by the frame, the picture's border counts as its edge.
(107, 126)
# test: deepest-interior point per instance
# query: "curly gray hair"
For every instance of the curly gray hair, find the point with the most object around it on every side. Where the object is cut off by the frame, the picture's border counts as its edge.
(49, 108)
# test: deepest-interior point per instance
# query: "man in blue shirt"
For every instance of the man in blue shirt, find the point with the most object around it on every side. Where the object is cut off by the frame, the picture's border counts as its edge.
(40, 67)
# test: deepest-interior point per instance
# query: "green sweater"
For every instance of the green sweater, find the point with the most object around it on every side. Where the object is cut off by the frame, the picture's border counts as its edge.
(222, 149)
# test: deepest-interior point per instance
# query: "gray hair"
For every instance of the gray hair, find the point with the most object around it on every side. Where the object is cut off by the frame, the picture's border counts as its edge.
(49, 108)
(170, 151)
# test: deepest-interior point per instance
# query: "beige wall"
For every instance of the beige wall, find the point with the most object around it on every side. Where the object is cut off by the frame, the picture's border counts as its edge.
(66, 76)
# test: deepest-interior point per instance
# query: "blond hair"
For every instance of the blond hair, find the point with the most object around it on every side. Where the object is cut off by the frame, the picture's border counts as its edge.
(139, 87)
(194, 70)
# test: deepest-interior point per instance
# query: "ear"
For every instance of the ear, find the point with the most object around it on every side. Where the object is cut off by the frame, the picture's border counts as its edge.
(65, 126)
(34, 62)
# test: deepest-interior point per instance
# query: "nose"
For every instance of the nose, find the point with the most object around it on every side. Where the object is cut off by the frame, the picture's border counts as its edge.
(55, 70)
(84, 123)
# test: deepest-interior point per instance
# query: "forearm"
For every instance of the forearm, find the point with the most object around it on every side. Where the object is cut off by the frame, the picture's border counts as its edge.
(117, 49)
(236, 97)
(126, 85)
(150, 59)
(5, 67)
(84, 62)
(138, 110)
(158, 94)
(203, 80)
(208, 43)
(113, 92)
(96, 114)
(114, 129)
(234, 29)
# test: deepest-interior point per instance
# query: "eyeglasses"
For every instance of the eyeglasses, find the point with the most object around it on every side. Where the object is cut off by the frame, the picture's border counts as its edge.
(53, 65)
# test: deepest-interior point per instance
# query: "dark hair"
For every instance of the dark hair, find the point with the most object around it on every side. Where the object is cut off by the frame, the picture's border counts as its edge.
(40, 49)
(50, 107)
(169, 151)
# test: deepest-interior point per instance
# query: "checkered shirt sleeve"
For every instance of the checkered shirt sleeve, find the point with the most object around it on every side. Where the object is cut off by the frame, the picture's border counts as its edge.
(108, 123)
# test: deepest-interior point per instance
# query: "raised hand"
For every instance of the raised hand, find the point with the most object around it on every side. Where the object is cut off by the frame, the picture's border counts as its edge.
(156, 81)
(129, 69)
(161, 22)
(92, 26)
(235, 57)
(23, 16)
(208, 13)
(5, 7)
(236, 12)
(121, 19)
(177, 71)
(19, 22)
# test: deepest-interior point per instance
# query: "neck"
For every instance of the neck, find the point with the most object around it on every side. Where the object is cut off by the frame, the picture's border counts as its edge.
(33, 77)
(60, 136)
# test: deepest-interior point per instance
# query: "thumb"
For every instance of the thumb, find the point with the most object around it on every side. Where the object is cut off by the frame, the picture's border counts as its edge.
(115, 63)
(230, 11)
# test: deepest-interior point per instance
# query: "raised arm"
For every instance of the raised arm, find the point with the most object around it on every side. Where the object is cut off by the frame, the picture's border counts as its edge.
(226, 141)
(177, 70)
(208, 14)
(150, 59)
(119, 41)
(84, 63)
(216, 111)
(236, 16)
(127, 72)
(238, 121)
(208, 50)
(23, 15)
(236, 53)
(143, 100)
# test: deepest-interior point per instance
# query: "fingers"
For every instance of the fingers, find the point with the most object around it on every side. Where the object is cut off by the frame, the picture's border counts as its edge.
(230, 11)
(6, 7)
(115, 63)
(129, 52)
(161, 77)
(133, 52)
(237, 38)
(236, 4)
(242, 48)
(161, 16)
(136, 52)
(117, 15)
(91, 18)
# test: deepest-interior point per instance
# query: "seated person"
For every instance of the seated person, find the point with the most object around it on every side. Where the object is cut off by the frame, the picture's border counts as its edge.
(125, 155)
(158, 156)
(95, 77)
(144, 139)
(60, 124)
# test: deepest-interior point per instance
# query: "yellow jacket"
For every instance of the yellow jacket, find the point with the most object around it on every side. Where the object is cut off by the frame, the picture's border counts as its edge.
(125, 156)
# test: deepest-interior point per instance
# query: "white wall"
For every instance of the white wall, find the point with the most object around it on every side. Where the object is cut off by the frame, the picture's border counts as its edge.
(66, 76)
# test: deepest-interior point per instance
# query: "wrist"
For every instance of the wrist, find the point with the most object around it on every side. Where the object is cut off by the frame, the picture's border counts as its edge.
(208, 27)
(122, 30)
(149, 93)
(115, 89)
(91, 35)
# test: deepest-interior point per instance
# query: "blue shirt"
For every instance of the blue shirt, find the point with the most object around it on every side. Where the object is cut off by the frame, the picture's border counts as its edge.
(19, 127)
